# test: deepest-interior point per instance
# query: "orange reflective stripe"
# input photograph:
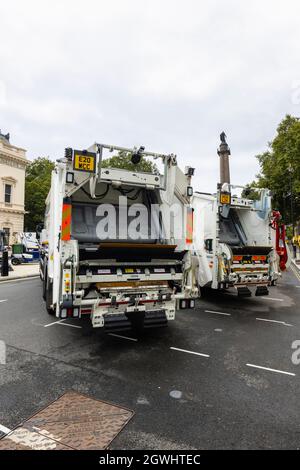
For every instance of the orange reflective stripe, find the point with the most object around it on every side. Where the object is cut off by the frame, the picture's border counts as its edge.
(66, 221)
(189, 225)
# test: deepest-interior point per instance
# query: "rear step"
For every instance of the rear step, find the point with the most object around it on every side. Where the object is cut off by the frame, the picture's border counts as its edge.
(262, 290)
(155, 319)
(121, 322)
(243, 291)
(116, 322)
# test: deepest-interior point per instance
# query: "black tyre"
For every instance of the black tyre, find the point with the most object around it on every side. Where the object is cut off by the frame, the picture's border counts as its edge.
(15, 261)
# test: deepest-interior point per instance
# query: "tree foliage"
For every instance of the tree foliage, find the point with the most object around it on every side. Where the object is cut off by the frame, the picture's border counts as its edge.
(37, 185)
(280, 169)
(250, 191)
(123, 160)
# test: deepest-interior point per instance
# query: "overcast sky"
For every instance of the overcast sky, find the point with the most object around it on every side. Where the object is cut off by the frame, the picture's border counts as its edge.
(167, 74)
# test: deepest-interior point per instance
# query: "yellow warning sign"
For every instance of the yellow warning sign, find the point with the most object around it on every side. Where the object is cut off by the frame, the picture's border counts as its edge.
(84, 161)
(225, 198)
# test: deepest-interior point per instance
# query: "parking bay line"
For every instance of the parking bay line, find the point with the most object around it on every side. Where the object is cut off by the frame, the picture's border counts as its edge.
(271, 370)
(271, 298)
(4, 429)
(218, 313)
(4, 300)
(190, 352)
(61, 322)
(274, 321)
(123, 337)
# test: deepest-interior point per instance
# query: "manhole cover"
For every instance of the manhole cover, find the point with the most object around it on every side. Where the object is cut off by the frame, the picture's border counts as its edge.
(74, 421)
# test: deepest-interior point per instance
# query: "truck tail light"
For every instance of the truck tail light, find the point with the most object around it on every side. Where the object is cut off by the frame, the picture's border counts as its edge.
(63, 313)
(76, 312)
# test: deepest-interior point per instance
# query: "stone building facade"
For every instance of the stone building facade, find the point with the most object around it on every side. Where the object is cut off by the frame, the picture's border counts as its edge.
(12, 187)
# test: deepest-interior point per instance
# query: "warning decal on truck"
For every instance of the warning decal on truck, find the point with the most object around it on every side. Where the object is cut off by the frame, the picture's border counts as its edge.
(225, 198)
(84, 161)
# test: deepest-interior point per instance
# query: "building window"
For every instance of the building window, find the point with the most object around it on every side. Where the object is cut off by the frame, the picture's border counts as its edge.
(7, 194)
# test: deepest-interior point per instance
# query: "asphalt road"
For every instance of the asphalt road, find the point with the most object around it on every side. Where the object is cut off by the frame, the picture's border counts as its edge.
(181, 400)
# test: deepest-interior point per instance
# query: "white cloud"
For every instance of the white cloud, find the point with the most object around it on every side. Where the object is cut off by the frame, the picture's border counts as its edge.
(167, 74)
(2, 94)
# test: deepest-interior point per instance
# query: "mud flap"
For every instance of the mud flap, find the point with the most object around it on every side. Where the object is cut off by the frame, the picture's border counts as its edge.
(261, 290)
(244, 291)
(116, 322)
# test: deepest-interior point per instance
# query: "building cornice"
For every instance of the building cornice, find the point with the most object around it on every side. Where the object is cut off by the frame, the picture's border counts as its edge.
(8, 210)
(6, 159)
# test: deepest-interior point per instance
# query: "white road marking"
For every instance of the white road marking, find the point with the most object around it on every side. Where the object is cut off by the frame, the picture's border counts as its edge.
(189, 352)
(272, 370)
(218, 313)
(271, 298)
(274, 321)
(4, 300)
(121, 336)
(53, 323)
(4, 429)
(298, 287)
(61, 322)
(20, 279)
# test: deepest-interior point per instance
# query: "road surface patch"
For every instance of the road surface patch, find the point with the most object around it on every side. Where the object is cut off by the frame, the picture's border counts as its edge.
(177, 394)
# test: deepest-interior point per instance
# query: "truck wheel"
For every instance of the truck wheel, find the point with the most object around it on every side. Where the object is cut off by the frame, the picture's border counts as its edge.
(49, 289)
(15, 261)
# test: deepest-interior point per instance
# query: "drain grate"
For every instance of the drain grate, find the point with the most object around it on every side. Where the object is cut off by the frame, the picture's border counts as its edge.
(73, 421)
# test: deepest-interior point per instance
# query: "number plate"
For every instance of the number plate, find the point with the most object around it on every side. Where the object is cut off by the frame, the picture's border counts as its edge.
(84, 162)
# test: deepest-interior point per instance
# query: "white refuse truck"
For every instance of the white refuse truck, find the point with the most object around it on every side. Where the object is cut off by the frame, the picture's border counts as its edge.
(116, 243)
(234, 236)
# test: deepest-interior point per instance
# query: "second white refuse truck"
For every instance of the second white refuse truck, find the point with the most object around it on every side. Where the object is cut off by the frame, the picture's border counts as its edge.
(234, 236)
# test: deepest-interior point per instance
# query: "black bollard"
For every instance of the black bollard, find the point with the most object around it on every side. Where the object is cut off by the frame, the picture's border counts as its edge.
(4, 266)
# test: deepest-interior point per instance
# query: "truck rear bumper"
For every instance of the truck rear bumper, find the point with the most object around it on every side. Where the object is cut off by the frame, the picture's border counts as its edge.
(248, 277)
(140, 320)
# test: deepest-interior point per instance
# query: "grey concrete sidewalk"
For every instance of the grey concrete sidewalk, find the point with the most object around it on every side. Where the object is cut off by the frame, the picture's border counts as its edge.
(22, 271)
